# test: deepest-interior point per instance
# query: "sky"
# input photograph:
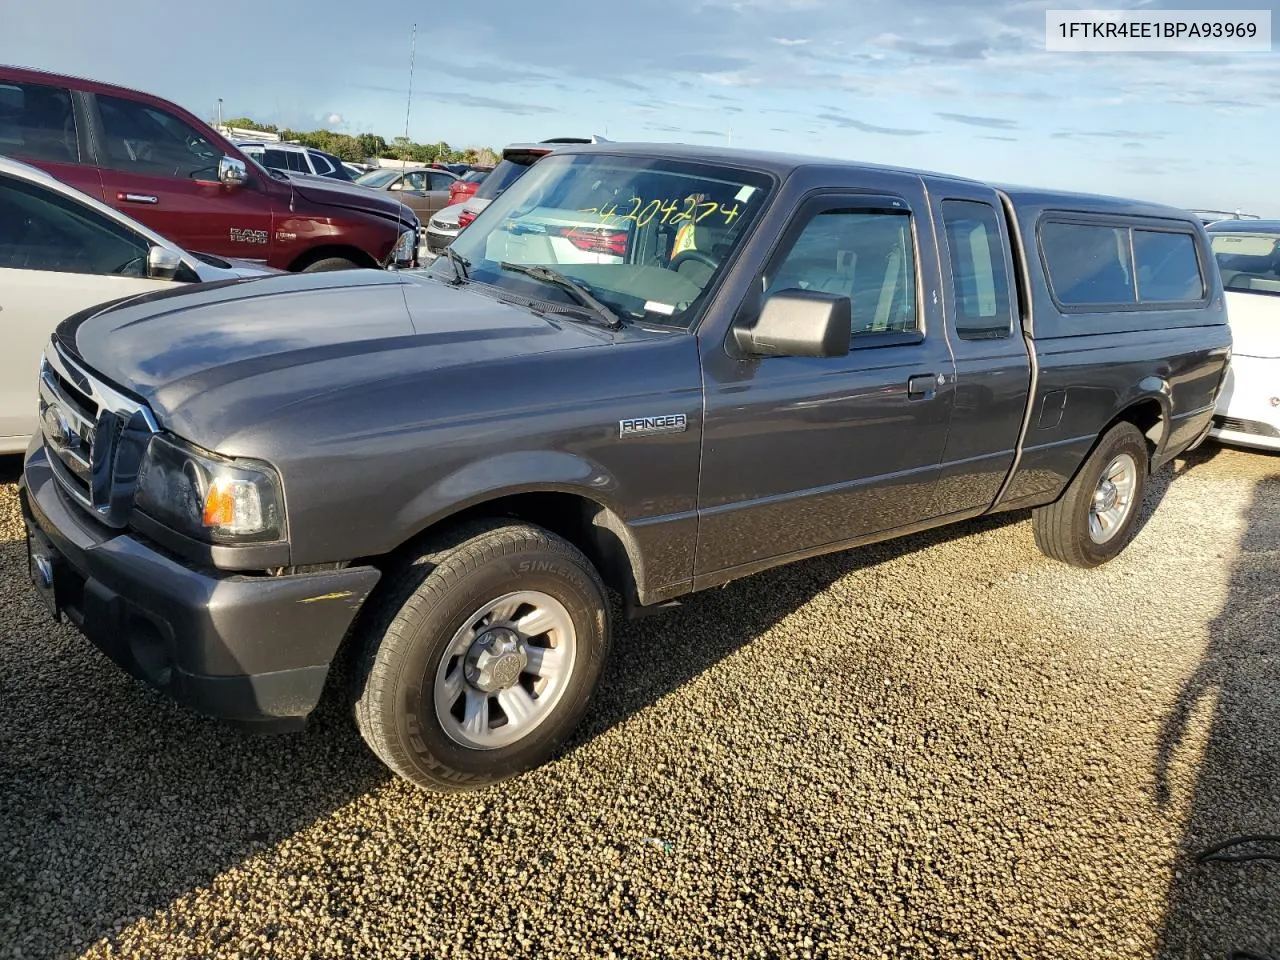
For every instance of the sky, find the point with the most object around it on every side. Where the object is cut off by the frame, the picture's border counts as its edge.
(958, 86)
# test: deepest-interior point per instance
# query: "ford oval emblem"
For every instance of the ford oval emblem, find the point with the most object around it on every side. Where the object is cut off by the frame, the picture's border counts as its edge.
(57, 427)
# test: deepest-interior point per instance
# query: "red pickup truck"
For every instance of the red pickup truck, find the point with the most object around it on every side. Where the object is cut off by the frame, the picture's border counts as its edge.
(165, 167)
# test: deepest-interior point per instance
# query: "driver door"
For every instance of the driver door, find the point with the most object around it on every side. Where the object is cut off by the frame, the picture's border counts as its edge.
(57, 257)
(163, 172)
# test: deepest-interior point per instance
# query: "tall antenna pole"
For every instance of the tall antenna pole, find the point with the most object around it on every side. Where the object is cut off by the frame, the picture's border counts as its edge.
(413, 44)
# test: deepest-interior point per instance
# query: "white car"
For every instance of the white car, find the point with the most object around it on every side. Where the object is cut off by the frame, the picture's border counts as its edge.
(1248, 255)
(295, 158)
(62, 252)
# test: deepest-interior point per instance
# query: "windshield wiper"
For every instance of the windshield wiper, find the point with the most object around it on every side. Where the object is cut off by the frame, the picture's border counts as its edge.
(583, 295)
(461, 265)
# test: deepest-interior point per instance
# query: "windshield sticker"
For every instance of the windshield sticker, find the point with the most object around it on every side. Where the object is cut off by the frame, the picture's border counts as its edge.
(653, 306)
(693, 209)
(745, 193)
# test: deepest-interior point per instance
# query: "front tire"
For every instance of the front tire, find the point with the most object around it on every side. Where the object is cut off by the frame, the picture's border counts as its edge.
(1094, 519)
(483, 656)
(330, 263)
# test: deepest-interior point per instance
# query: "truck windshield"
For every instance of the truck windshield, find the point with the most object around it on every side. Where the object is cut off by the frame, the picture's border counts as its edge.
(644, 236)
(1248, 262)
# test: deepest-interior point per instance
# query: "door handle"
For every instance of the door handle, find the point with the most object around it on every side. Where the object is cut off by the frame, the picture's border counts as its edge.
(137, 198)
(922, 386)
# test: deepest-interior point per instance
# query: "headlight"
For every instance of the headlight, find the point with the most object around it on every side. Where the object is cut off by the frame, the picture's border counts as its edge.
(207, 497)
(403, 253)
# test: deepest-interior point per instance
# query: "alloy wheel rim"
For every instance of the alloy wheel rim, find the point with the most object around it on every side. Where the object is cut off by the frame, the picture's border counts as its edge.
(505, 670)
(1113, 498)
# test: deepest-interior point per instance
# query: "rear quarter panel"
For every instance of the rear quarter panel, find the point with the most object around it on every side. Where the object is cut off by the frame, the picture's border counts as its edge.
(1094, 365)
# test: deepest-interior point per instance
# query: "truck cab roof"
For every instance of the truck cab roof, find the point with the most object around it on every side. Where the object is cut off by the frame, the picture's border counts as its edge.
(782, 164)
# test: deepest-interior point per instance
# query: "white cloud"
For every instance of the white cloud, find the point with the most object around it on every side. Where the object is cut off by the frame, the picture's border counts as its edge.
(787, 42)
(334, 120)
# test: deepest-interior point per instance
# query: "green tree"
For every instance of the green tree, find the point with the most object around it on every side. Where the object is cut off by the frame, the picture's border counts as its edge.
(371, 145)
(244, 123)
(344, 147)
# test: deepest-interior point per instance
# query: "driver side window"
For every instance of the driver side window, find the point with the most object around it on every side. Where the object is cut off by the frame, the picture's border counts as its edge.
(143, 139)
(867, 255)
(44, 230)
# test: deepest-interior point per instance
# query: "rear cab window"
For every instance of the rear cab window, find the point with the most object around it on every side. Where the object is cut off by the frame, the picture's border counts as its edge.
(1121, 264)
(37, 123)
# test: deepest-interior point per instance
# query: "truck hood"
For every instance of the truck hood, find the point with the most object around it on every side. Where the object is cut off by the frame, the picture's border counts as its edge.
(216, 363)
(339, 193)
(1254, 319)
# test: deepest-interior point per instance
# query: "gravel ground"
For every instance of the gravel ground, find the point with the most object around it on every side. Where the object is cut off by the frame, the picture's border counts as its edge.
(942, 746)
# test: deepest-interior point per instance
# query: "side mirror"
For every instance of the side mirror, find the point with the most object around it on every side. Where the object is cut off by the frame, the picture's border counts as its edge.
(799, 323)
(163, 263)
(232, 172)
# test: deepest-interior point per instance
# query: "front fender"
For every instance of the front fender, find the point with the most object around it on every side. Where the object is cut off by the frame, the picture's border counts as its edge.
(507, 474)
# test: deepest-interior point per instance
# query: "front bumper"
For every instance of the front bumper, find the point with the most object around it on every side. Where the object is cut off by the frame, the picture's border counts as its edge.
(253, 650)
(437, 241)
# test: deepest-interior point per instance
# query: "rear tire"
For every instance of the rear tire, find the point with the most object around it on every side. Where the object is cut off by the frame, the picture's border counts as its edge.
(330, 263)
(1094, 519)
(452, 698)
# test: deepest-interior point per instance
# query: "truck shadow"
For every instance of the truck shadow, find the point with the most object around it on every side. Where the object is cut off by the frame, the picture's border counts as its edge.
(1215, 908)
(10, 468)
(653, 657)
(118, 803)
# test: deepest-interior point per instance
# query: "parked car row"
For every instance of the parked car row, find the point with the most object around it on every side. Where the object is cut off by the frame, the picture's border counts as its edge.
(172, 172)
(516, 159)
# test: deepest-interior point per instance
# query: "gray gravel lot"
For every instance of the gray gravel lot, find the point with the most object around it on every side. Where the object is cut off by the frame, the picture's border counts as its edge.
(944, 746)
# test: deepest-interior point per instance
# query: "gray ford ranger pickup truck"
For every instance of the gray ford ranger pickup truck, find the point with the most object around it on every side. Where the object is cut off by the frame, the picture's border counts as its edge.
(644, 369)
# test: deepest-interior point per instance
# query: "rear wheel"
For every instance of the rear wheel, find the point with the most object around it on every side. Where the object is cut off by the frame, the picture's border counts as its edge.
(1095, 518)
(330, 263)
(483, 657)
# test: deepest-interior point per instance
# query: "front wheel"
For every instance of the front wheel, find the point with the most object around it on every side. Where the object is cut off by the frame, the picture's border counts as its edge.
(330, 263)
(482, 658)
(1095, 517)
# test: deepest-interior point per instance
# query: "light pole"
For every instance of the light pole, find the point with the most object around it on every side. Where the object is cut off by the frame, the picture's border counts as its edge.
(220, 130)
(413, 42)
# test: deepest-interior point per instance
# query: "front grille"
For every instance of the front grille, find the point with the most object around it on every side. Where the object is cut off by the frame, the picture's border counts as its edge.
(95, 435)
(1250, 427)
(436, 243)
